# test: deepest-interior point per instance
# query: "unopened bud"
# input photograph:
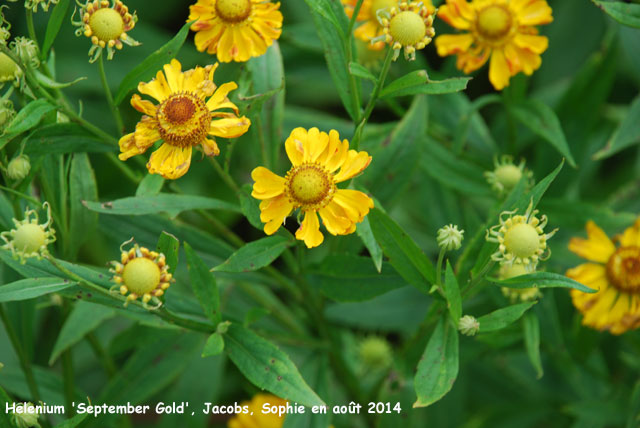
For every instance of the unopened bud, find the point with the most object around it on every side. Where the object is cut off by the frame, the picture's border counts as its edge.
(25, 416)
(375, 352)
(27, 50)
(450, 238)
(468, 325)
(19, 168)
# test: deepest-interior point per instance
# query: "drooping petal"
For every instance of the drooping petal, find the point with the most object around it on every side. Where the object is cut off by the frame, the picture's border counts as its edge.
(309, 230)
(232, 127)
(532, 12)
(449, 44)
(208, 39)
(356, 204)
(170, 161)
(210, 147)
(266, 184)
(499, 71)
(457, 13)
(143, 106)
(596, 248)
(471, 60)
(355, 163)
(590, 274)
(631, 236)
(138, 142)
(273, 212)
(335, 219)
(534, 43)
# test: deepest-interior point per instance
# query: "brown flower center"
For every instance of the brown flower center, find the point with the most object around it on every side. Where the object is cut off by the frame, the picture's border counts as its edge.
(183, 119)
(623, 269)
(309, 186)
(233, 11)
(494, 22)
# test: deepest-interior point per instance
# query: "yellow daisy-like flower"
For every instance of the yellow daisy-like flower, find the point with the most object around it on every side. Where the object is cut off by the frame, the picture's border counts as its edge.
(501, 29)
(320, 161)
(235, 30)
(255, 418)
(408, 26)
(106, 25)
(191, 109)
(615, 272)
(141, 272)
(521, 239)
(29, 238)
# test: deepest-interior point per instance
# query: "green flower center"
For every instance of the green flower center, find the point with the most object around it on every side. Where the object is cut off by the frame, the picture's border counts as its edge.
(623, 269)
(107, 24)
(407, 28)
(8, 68)
(141, 275)
(508, 175)
(309, 184)
(233, 11)
(377, 5)
(29, 238)
(494, 22)
(522, 240)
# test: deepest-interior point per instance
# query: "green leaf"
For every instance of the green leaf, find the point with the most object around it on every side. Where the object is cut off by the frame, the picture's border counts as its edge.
(203, 284)
(48, 82)
(503, 317)
(82, 186)
(351, 278)
(53, 26)
(61, 138)
(250, 207)
(403, 253)
(169, 245)
(361, 71)
(150, 185)
(626, 135)
(267, 367)
(331, 25)
(31, 288)
(418, 82)
(542, 121)
(73, 422)
(4, 401)
(542, 280)
(531, 330)
(83, 319)
(152, 64)
(163, 202)
(26, 119)
(213, 346)
(255, 255)
(363, 230)
(624, 13)
(438, 367)
(452, 293)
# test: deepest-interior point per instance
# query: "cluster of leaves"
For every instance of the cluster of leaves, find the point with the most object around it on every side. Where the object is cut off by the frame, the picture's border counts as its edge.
(289, 319)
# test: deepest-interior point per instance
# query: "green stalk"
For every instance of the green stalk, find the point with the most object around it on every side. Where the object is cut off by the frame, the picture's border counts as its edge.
(67, 374)
(226, 177)
(107, 91)
(103, 356)
(24, 361)
(263, 145)
(31, 28)
(353, 83)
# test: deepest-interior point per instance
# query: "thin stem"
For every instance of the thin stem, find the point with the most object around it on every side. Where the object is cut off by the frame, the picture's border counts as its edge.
(263, 145)
(476, 279)
(354, 17)
(227, 156)
(124, 168)
(24, 361)
(353, 83)
(103, 356)
(439, 266)
(226, 177)
(68, 376)
(374, 97)
(112, 105)
(31, 28)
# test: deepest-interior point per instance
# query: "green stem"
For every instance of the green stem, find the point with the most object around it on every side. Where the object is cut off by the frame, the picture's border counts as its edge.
(68, 376)
(374, 97)
(226, 177)
(439, 266)
(103, 356)
(24, 361)
(476, 279)
(257, 129)
(124, 168)
(31, 28)
(353, 83)
(162, 312)
(279, 311)
(107, 91)
(227, 157)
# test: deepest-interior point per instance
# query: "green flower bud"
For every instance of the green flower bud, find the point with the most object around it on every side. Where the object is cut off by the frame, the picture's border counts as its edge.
(375, 352)
(6, 113)
(27, 50)
(25, 416)
(9, 70)
(19, 168)
(450, 238)
(468, 325)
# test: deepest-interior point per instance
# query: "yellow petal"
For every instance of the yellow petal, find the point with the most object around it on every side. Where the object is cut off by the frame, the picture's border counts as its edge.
(499, 72)
(521, 59)
(229, 127)
(175, 78)
(590, 274)
(139, 141)
(309, 230)
(219, 98)
(449, 44)
(273, 212)
(210, 147)
(597, 314)
(314, 144)
(267, 184)
(294, 145)
(534, 43)
(367, 31)
(356, 204)
(597, 247)
(336, 152)
(532, 12)
(170, 161)
(208, 39)
(355, 163)
(158, 88)
(631, 236)
(457, 13)
(143, 106)
(335, 219)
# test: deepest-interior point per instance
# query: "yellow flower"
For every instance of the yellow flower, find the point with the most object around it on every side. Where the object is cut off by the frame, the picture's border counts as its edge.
(521, 239)
(184, 118)
(615, 272)
(501, 29)
(106, 26)
(254, 417)
(235, 30)
(368, 15)
(408, 26)
(320, 161)
(141, 273)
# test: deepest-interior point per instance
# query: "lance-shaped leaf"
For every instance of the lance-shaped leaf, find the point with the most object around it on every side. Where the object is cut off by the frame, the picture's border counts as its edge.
(203, 284)
(542, 280)
(255, 255)
(163, 202)
(503, 317)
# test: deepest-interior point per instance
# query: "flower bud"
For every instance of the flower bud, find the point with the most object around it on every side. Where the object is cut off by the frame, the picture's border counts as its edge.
(517, 294)
(27, 50)
(44, 4)
(7, 113)
(450, 238)
(18, 168)
(375, 352)
(9, 70)
(25, 416)
(468, 325)
(506, 175)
